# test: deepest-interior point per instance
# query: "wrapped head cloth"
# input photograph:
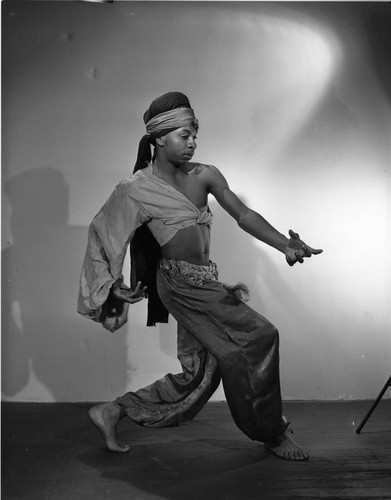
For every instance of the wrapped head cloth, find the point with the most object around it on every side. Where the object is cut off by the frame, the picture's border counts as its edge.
(165, 114)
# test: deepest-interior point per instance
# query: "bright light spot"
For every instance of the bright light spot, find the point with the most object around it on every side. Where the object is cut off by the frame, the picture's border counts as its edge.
(291, 78)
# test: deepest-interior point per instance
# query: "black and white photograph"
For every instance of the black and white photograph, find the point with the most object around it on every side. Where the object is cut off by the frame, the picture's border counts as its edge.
(196, 234)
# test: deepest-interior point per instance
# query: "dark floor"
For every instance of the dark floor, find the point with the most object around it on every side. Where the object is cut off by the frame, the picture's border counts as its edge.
(50, 451)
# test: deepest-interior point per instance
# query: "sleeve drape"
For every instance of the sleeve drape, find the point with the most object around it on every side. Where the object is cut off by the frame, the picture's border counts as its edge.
(109, 236)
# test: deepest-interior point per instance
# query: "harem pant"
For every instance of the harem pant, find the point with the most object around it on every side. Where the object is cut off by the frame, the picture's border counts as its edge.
(219, 337)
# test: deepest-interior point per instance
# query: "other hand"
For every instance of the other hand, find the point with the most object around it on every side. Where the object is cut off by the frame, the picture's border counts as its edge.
(123, 292)
(297, 250)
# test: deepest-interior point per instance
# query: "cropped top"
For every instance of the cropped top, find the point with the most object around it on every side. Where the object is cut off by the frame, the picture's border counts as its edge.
(175, 210)
(141, 198)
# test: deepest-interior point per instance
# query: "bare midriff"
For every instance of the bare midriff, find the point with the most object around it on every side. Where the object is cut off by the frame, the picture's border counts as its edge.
(190, 244)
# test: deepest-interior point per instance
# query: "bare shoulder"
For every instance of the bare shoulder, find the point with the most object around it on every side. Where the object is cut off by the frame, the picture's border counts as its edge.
(202, 169)
(195, 168)
(208, 176)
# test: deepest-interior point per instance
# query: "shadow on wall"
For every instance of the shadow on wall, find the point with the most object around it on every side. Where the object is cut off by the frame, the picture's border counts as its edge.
(46, 346)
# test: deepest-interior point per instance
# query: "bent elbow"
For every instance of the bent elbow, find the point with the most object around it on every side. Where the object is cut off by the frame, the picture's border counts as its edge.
(242, 221)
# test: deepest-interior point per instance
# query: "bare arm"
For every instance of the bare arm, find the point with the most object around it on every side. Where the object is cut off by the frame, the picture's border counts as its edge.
(253, 223)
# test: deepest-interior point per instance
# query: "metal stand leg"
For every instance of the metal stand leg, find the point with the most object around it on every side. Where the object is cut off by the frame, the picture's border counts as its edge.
(369, 413)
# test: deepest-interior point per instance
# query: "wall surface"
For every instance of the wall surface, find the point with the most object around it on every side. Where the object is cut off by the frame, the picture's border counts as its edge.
(294, 108)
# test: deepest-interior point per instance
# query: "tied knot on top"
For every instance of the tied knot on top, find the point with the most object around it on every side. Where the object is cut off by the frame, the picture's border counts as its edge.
(204, 218)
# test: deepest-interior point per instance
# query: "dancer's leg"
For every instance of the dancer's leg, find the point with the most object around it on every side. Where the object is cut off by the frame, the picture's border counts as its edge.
(175, 399)
(245, 345)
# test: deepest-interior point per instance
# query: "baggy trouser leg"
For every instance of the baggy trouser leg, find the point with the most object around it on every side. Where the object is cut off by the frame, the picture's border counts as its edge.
(176, 399)
(245, 344)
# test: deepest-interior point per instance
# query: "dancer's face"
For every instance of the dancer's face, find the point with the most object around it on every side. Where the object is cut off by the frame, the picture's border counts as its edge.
(179, 145)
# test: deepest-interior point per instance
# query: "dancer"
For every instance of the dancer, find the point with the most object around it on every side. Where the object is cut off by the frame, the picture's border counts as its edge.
(162, 212)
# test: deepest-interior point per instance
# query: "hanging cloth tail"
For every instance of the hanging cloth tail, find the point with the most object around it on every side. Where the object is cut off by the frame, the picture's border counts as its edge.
(145, 252)
(145, 255)
(144, 154)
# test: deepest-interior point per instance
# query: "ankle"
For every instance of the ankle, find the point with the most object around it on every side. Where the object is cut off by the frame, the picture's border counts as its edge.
(120, 412)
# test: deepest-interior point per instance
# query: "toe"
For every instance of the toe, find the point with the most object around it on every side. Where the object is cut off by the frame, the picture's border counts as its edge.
(124, 446)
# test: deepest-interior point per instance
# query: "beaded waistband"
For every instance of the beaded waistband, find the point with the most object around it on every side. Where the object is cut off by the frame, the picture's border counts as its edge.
(193, 273)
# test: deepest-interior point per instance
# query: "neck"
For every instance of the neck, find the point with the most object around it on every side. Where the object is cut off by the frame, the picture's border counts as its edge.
(167, 169)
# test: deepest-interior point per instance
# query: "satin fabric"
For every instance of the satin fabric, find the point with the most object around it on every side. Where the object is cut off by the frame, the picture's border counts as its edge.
(218, 336)
(170, 209)
(172, 119)
(141, 199)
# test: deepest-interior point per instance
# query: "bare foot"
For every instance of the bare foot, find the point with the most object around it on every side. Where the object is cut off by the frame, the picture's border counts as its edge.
(284, 447)
(106, 417)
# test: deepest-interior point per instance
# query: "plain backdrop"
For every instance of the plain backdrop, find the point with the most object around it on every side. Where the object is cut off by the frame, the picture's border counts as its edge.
(293, 101)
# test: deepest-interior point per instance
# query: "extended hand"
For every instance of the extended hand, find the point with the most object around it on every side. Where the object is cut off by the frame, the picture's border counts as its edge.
(297, 249)
(123, 292)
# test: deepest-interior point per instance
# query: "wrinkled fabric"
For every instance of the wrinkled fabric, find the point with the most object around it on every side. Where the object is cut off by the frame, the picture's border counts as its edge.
(176, 399)
(173, 119)
(170, 209)
(109, 235)
(142, 198)
(145, 250)
(145, 254)
(166, 102)
(218, 336)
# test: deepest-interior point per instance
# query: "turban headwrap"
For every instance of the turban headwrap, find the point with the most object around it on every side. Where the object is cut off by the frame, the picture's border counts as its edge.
(165, 114)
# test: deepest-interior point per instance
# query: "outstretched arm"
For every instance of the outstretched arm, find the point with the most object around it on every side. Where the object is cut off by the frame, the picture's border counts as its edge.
(294, 248)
